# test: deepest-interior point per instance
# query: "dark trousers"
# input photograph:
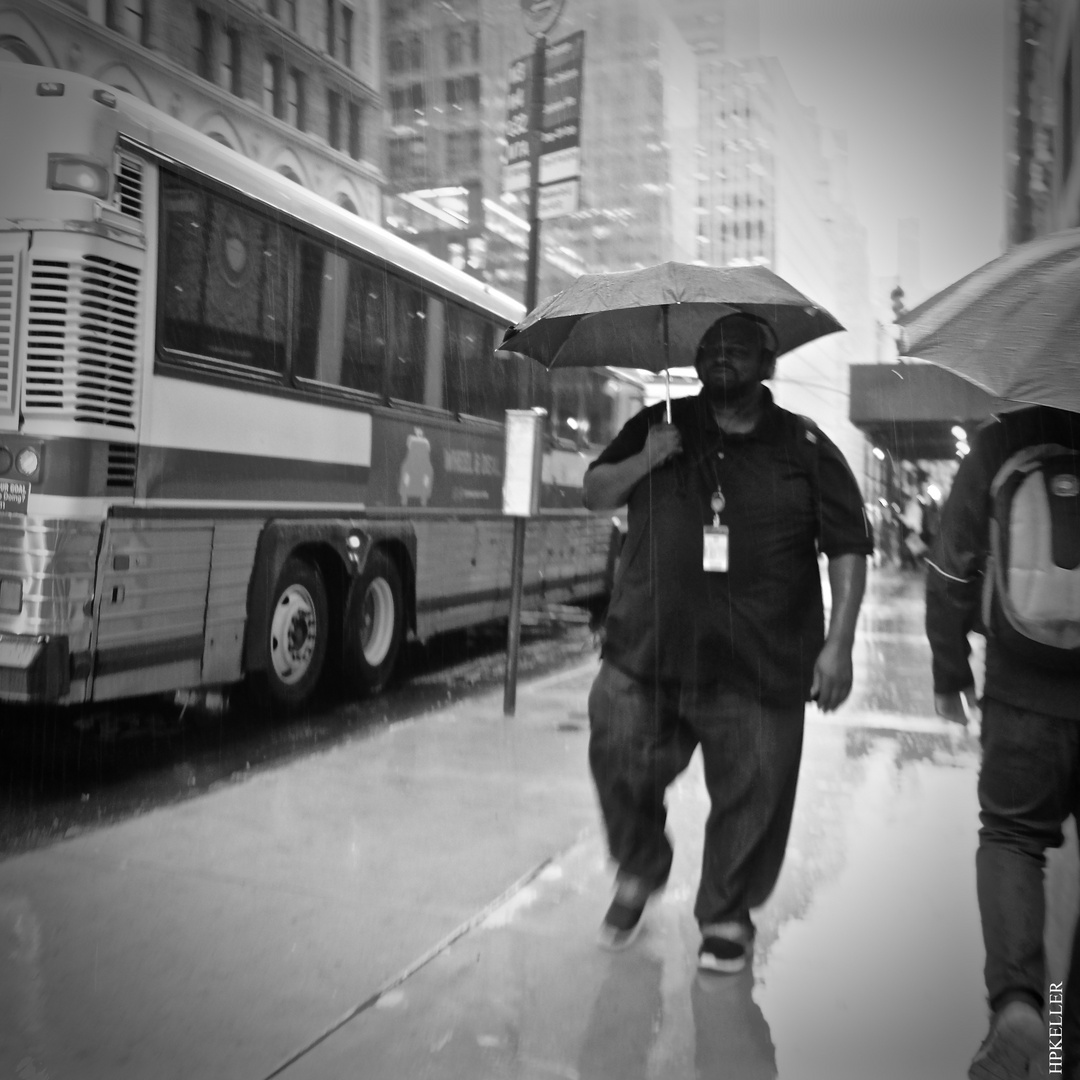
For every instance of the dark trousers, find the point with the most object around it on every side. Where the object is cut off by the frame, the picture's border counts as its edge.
(643, 736)
(1029, 784)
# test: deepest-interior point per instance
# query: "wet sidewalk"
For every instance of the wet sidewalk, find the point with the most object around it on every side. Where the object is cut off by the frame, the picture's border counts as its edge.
(422, 903)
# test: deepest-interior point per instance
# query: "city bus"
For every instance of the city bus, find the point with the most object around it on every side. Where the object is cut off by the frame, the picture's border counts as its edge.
(245, 436)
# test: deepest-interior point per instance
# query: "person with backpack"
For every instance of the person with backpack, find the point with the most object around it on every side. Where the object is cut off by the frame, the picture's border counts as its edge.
(715, 634)
(1006, 563)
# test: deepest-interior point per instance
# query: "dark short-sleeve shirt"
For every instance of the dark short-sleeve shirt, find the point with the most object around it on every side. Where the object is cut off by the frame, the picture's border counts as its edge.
(759, 627)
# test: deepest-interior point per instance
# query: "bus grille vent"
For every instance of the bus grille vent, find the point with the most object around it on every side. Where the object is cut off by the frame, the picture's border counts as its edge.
(82, 338)
(7, 331)
(129, 185)
(120, 471)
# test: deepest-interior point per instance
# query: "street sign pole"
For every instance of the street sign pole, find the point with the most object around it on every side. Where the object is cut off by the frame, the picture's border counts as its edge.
(536, 130)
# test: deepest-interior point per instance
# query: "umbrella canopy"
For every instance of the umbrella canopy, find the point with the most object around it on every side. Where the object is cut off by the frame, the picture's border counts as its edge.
(655, 317)
(1012, 326)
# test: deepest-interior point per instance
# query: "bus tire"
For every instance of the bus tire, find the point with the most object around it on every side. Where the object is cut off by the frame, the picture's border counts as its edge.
(296, 635)
(374, 625)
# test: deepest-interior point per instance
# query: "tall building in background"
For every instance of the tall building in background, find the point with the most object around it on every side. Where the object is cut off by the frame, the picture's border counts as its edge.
(1043, 137)
(446, 80)
(291, 84)
(772, 189)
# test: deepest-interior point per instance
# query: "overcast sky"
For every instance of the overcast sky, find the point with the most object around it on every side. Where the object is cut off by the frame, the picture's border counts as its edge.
(919, 87)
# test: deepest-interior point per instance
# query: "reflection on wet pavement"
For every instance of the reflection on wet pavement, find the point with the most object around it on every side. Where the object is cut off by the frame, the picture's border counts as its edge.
(868, 956)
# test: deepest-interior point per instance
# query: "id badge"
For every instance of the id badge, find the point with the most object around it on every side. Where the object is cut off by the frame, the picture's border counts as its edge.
(715, 549)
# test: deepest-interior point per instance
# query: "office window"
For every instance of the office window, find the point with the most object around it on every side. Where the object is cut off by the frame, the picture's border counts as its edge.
(400, 109)
(463, 92)
(231, 62)
(408, 157)
(294, 99)
(333, 118)
(282, 10)
(331, 26)
(416, 98)
(355, 131)
(416, 51)
(126, 17)
(273, 92)
(364, 28)
(396, 55)
(454, 46)
(345, 28)
(472, 35)
(463, 151)
(204, 44)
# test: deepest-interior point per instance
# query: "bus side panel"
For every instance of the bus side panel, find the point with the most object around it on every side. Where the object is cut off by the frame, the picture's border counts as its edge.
(151, 606)
(463, 567)
(231, 564)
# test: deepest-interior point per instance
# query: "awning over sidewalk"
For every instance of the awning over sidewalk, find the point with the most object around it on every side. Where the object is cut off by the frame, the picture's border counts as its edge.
(910, 409)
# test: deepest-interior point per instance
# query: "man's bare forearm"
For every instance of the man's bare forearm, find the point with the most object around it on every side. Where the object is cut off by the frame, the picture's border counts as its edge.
(847, 582)
(607, 487)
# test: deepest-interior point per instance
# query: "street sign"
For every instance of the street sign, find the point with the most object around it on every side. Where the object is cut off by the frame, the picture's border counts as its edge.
(541, 15)
(558, 199)
(560, 140)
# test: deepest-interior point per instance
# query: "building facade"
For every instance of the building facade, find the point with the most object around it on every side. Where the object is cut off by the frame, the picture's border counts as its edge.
(1043, 135)
(446, 81)
(292, 84)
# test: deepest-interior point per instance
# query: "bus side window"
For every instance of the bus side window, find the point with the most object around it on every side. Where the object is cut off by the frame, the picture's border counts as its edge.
(408, 341)
(477, 383)
(320, 314)
(364, 362)
(224, 274)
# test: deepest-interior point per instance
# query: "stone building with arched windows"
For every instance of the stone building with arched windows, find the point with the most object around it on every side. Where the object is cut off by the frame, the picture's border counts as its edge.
(292, 84)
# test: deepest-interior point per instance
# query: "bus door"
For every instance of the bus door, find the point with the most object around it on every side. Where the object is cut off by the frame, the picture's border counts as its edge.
(150, 606)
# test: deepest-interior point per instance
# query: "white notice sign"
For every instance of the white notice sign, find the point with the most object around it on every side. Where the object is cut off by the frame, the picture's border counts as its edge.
(558, 199)
(524, 456)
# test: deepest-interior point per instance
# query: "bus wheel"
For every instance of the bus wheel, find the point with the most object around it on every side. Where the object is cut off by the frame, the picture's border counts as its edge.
(297, 634)
(374, 624)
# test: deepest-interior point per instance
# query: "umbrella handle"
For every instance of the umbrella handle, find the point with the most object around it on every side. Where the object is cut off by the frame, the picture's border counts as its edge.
(667, 356)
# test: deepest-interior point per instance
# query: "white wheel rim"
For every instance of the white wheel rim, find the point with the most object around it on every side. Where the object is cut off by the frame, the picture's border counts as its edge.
(293, 632)
(377, 621)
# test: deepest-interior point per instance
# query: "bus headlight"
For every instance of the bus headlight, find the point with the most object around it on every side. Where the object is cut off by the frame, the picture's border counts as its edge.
(67, 172)
(27, 461)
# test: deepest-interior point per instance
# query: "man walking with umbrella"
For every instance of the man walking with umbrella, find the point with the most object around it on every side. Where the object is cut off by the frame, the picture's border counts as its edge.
(715, 631)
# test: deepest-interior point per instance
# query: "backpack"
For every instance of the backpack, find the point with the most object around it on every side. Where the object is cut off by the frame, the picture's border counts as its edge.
(1031, 588)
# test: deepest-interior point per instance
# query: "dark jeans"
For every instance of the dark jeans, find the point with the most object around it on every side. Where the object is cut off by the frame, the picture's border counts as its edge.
(643, 736)
(1029, 784)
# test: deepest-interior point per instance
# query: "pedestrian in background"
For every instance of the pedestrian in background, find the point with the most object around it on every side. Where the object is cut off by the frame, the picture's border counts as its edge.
(715, 633)
(1029, 780)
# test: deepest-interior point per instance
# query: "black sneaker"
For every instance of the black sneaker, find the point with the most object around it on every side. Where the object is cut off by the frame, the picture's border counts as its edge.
(623, 919)
(721, 954)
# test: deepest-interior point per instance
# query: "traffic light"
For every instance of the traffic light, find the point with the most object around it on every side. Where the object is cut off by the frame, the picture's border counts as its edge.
(897, 298)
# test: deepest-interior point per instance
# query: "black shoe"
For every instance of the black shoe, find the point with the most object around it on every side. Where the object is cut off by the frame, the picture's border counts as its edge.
(623, 919)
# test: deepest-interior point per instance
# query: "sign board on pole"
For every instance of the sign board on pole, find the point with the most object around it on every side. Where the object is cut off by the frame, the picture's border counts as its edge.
(559, 198)
(560, 140)
(524, 458)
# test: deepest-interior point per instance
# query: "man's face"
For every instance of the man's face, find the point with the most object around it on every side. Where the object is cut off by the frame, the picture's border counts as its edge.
(731, 359)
